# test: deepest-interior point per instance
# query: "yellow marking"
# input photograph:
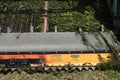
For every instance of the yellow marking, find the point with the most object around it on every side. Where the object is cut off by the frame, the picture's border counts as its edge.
(34, 65)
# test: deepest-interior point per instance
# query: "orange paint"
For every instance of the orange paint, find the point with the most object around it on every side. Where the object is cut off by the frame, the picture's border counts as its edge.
(63, 59)
(20, 56)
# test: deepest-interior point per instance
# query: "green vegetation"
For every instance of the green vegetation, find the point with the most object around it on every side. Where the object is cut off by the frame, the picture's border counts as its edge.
(84, 75)
(110, 65)
(114, 62)
(71, 21)
(68, 15)
(114, 55)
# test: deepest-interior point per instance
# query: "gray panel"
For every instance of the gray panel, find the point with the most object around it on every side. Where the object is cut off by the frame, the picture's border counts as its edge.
(98, 44)
(41, 42)
(110, 39)
(35, 42)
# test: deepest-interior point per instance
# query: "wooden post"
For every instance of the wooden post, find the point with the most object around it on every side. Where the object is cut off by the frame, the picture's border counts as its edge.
(45, 24)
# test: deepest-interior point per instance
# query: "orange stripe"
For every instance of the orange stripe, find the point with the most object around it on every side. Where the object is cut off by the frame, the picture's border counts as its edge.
(19, 56)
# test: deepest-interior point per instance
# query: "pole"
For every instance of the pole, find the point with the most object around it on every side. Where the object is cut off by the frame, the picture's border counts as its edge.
(45, 24)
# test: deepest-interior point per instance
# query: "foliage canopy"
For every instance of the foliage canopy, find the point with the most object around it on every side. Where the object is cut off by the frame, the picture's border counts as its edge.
(68, 15)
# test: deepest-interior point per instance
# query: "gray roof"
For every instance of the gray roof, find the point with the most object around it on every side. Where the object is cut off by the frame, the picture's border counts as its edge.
(52, 42)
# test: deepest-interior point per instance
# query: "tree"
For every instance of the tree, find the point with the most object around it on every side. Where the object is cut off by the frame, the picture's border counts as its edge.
(68, 15)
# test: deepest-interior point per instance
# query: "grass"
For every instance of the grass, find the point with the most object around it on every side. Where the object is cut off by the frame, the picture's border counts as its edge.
(62, 75)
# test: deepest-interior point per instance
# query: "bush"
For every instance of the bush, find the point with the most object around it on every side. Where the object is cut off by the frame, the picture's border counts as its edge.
(110, 65)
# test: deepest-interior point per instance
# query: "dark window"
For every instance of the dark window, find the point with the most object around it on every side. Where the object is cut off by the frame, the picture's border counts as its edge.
(118, 8)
